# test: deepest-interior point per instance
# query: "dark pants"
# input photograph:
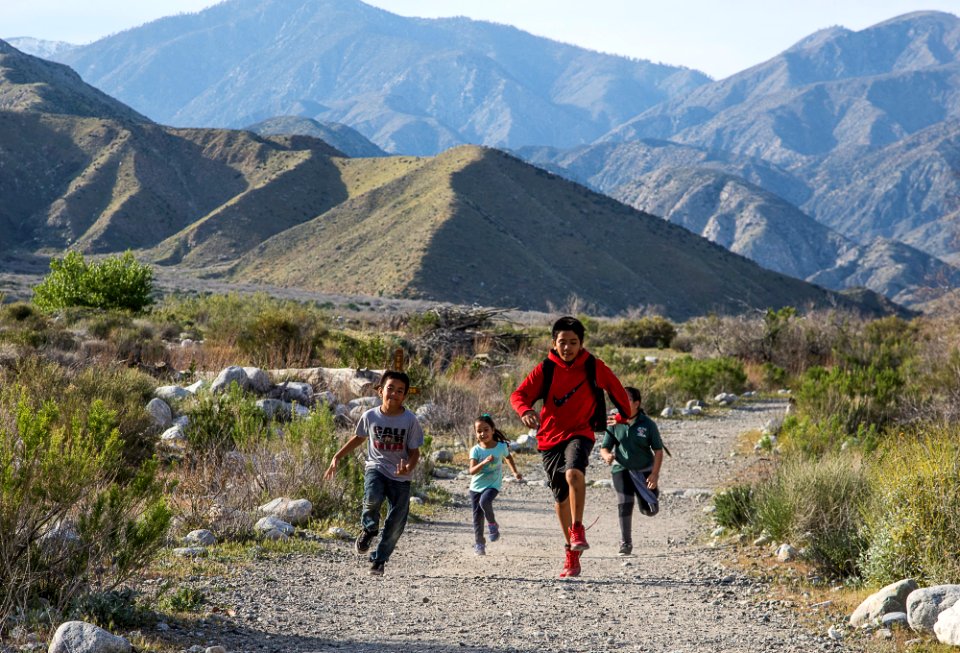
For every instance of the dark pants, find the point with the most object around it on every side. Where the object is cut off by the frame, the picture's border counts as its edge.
(376, 488)
(483, 507)
(626, 493)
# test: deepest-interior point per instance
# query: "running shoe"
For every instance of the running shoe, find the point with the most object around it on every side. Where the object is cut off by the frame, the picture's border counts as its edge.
(376, 568)
(479, 549)
(571, 566)
(362, 544)
(494, 532)
(625, 549)
(578, 538)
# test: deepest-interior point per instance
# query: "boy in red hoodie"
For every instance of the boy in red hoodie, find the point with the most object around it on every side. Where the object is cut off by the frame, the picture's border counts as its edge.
(565, 435)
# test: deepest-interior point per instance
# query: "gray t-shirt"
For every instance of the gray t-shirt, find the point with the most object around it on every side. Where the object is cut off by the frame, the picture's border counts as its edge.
(388, 439)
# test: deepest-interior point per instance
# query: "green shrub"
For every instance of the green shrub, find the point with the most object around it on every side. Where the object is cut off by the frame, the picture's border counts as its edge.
(699, 378)
(652, 331)
(850, 402)
(51, 475)
(112, 610)
(266, 331)
(117, 282)
(913, 520)
(734, 507)
(817, 503)
(309, 444)
(122, 391)
(183, 599)
(224, 422)
(362, 352)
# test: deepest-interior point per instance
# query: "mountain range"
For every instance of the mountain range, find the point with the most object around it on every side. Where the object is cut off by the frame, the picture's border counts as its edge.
(833, 162)
(413, 86)
(473, 224)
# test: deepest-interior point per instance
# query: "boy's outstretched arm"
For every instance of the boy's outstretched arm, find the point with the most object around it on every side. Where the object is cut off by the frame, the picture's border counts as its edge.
(526, 394)
(608, 381)
(348, 446)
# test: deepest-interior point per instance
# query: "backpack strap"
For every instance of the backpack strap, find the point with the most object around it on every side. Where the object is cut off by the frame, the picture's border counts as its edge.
(547, 366)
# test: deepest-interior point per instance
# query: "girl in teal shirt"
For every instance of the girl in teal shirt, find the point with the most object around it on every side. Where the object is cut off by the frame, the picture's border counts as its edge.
(486, 466)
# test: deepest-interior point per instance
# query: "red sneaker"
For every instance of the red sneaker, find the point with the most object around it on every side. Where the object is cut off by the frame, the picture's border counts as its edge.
(578, 538)
(571, 566)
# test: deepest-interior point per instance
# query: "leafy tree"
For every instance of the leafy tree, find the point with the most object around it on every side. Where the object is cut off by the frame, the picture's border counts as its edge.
(117, 282)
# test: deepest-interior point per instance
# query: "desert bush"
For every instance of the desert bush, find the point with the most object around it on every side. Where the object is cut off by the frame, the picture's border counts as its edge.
(224, 422)
(699, 378)
(364, 351)
(113, 610)
(71, 526)
(653, 331)
(783, 338)
(26, 326)
(252, 329)
(818, 503)
(122, 391)
(913, 518)
(734, 507)
(116, 282)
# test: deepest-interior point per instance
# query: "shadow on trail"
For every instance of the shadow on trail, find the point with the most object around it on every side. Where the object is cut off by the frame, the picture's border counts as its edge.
(619, 581)
(243, 639)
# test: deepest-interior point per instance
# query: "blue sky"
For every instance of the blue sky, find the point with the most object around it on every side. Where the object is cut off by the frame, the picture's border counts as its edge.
(717, 37)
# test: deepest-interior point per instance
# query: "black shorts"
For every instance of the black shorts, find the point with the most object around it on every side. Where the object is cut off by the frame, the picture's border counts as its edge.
(571, 454)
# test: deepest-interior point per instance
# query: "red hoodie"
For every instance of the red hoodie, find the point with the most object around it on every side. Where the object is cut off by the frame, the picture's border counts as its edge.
(560, 423)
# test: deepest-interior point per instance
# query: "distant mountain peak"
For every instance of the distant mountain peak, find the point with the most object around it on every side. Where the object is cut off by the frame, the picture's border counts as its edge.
(410, 85)
(29, 83)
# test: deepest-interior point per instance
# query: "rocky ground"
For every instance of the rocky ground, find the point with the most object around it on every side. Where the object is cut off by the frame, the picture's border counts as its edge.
(677, 594)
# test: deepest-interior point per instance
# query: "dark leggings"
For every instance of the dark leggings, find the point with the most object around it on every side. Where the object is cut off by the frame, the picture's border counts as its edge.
(483, 507)
(626, 491)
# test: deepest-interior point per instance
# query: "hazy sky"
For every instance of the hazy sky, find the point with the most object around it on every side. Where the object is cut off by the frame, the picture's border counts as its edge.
(716, 36)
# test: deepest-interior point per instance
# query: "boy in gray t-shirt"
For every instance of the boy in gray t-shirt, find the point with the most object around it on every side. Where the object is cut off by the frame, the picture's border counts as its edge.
(393, 437)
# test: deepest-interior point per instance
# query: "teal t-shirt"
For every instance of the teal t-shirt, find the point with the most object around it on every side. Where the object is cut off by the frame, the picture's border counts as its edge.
(633, 444)
(491, 474)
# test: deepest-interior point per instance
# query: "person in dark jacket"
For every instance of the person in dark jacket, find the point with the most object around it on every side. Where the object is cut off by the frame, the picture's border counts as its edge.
(634, 450)
(565, 434)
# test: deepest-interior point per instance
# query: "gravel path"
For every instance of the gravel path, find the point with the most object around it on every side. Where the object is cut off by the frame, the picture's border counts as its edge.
(676, 595)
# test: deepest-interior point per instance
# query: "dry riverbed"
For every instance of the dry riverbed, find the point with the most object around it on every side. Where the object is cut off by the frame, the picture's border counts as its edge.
(679, 593)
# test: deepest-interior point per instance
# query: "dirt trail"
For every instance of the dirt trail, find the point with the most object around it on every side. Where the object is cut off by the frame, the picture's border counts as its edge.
(674, 596)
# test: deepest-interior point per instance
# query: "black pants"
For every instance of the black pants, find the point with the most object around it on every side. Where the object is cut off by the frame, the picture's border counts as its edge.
(483, 508)
(626, 498)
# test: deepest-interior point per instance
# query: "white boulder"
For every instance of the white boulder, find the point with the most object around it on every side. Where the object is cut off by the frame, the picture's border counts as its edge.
(227, 377)
(160, 412)
(258, 381)
(947, 627)
(892, 598)
(924, 605)
(200, 537)
(273, 528)
(294, 511)
(81, 637)
(171, 393)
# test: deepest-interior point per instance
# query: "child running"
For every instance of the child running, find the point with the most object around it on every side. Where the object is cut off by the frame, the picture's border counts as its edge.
(635, 451)
(393, 437)
(570, 382)
(486, 466)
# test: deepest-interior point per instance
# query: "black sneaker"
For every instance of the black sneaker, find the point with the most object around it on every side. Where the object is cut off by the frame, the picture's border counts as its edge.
(625, 549)
(362, 544)
(376, 568)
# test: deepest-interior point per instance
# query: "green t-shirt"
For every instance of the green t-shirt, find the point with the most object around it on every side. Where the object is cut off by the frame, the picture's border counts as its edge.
(633, 444)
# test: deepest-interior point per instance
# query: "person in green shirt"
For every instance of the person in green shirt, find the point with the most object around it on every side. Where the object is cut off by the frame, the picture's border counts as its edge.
(634, 451)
